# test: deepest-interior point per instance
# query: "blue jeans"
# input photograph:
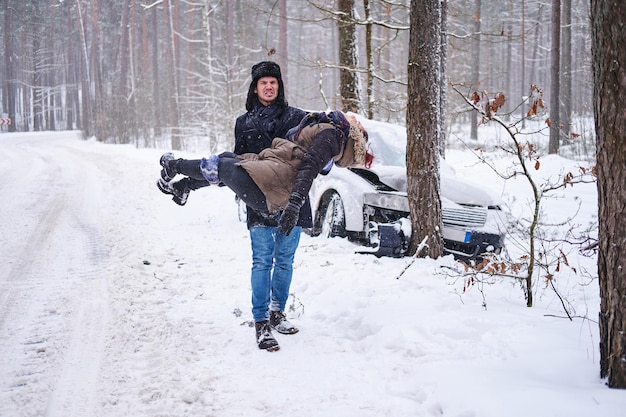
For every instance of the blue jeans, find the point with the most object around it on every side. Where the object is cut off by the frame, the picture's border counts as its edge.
(272, 268)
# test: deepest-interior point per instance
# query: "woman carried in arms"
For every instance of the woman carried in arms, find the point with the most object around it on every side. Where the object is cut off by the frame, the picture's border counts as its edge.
(278, 178)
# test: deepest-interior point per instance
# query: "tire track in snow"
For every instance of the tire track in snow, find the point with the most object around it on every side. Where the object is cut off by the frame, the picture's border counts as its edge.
(74, 395)
(54, 303)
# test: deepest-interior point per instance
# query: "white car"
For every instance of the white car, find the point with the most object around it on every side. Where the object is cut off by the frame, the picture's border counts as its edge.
(370, 206)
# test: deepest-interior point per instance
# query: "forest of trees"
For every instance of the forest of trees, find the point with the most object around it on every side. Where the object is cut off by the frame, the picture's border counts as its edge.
(142, 71)
(130, 71)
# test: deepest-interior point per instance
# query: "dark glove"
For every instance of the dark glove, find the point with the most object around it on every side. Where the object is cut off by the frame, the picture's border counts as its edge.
(228, 155)
(289, 216)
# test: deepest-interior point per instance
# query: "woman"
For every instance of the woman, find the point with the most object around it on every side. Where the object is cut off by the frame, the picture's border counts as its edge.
(279, 178)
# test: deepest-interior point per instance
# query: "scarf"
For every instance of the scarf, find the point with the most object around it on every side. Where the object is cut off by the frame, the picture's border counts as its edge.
(268, 117)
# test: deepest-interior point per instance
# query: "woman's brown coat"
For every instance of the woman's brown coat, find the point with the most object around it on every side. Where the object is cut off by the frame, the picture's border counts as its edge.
(274, 169)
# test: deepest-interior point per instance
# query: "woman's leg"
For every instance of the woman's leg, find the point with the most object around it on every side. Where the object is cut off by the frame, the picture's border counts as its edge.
(237, 179)
(173, 166)
(233, 176)
(190, 168)
(180, 189)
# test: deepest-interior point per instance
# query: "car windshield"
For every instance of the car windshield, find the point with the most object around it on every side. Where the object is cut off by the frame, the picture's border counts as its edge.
(387, 142)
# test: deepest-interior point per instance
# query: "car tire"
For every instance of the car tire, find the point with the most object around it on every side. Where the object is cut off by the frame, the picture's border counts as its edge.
(332, 217)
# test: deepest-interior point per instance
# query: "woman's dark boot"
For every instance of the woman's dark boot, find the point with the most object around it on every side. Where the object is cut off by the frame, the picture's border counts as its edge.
(179, 189)
(168, 162)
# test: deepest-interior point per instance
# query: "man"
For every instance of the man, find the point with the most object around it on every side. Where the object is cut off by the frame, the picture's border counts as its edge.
(269, 116)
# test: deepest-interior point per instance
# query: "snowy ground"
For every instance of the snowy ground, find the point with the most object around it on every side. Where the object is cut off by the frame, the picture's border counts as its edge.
(114, 301)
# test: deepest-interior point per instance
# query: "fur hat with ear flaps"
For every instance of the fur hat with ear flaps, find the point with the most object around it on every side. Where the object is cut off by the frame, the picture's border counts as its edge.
(265, 69)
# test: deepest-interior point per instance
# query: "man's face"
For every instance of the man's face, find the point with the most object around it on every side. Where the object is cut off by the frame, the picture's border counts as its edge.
(267, 90)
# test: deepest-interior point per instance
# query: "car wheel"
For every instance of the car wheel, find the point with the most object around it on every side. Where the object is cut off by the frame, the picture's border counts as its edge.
(333, 222)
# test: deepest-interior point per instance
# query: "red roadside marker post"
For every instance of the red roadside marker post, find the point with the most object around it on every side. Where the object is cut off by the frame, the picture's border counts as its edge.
(4, 122)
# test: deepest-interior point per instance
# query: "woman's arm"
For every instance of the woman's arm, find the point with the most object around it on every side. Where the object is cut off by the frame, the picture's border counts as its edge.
(323, 148)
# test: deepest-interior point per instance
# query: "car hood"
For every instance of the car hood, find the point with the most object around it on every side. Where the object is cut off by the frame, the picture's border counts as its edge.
(452, 188)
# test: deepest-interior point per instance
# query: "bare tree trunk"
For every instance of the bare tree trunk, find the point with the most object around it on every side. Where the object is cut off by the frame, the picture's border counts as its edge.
(508, 106)
(230, 42)
(171, 71)
(72, 68)
(555, 78)
(86, 104)
(525, 89)
(369, 110)
(536, 42)
(476, 66)
(423, 126)
(9, 63)
(51, 89)
(175, 21)
(609, 75)
(157, 106)
(37, 69)
(68, 109)
(122, 110)
(98, 110)
(566, 53)
(349, 85)
(443, 72)
(283, 47)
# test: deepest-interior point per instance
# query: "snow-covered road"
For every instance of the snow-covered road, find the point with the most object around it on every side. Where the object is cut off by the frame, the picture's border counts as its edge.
(114, 301)
(53, 305)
